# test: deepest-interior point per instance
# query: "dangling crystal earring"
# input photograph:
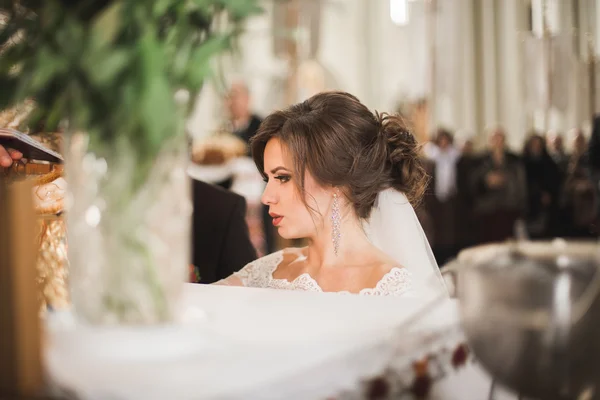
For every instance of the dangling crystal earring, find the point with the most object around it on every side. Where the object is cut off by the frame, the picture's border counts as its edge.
(335, 224)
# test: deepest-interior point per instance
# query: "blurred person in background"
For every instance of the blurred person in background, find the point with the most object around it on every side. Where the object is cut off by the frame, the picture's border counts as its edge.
(556, 149)
(594, 156)
(443, 157)
(221, 242)
(594, 146)
(465, 168)
(499, 189)
(543, 187)
(579, 201)
(245, 124)
(466, 147)
(243, 121)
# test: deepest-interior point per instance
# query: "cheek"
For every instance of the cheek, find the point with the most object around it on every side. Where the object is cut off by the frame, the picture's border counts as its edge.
(316, 197)
(298, 214)
(301, 212)
(317, 209)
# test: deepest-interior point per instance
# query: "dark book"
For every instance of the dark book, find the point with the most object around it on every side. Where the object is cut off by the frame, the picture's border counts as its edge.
(31, 148)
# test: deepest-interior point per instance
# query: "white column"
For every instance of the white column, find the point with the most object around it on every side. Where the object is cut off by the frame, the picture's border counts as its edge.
(554, 10)
(466, 89)
(489, 91)
(378, 19)
(537, 19)
(595, 10)
(584, 8)
(547, 21)
(556, 26)
(345, 49)
(367, 56)
(511, 27)
(581, 102)
(567, 28)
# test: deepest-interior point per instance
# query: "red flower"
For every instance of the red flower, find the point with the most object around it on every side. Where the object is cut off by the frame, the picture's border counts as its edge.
(422, 383)
(421, 386)
(378, 388)
(459, 356)
(194, 276)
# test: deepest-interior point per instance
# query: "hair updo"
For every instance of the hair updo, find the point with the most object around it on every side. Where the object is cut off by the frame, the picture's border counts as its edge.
(342, 143)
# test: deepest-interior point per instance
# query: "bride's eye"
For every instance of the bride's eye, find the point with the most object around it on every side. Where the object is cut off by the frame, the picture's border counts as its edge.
(283, 178)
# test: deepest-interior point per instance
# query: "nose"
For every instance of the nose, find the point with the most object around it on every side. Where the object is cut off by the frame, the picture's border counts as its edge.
(269, 195)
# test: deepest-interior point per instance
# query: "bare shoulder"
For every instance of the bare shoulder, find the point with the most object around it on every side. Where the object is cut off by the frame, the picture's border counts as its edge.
(388, 270)
(292, 262)
(293, 254)
(386, 264)
(389, 267)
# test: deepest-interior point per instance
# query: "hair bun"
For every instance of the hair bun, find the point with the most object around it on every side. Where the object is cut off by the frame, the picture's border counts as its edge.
(403, 154)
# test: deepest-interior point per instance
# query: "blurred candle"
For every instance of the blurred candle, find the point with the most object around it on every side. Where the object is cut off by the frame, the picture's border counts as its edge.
(20, 337)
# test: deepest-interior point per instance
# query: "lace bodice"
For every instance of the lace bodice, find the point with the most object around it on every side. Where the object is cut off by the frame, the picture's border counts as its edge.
(259, 273)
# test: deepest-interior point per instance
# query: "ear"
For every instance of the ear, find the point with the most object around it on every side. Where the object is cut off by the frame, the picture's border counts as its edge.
(335, 192)
(339, 194)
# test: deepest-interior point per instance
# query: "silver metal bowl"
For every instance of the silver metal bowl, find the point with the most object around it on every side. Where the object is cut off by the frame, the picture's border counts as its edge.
(531, 312)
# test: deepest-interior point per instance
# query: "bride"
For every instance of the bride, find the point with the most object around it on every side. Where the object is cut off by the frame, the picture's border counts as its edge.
(344, 179)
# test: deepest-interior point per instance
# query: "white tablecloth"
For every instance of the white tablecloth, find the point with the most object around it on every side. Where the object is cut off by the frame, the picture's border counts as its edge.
(250, 343)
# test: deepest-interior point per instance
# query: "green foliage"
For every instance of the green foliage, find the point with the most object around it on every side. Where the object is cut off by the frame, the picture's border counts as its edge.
(110, 67)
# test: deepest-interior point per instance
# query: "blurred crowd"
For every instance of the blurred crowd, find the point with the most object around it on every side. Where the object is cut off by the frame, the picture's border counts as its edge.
(493, 195)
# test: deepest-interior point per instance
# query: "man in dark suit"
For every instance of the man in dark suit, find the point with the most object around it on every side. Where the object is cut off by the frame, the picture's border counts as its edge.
(244, 122)
(220, 240)
(594, 158)
(594, 145)
(245, 125)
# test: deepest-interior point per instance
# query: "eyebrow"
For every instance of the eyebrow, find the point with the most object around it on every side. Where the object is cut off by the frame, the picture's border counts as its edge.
(277, 169)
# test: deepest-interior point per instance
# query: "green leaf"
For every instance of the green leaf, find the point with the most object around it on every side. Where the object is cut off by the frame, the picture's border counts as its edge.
(58, 110)
(8, 93)
(8, 32)
(11, 57)
(199, 66)
(71, 39)
(161, 6)
(115, 75)
(242, 8)
(182, 57)
(48, 65)
(104, 68)
(107, 25)
(156, 103)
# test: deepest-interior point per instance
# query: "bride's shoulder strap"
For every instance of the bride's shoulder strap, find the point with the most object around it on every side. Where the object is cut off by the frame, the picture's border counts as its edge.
(260, 271)
(257, 273)
(398, 281)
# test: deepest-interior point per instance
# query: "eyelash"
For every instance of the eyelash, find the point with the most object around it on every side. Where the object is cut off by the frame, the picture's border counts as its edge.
(280, 178)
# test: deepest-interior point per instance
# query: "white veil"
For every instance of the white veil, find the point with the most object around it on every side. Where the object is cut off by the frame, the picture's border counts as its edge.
(395, 229)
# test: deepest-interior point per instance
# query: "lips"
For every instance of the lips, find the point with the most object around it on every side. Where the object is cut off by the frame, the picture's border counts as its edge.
(276, 218)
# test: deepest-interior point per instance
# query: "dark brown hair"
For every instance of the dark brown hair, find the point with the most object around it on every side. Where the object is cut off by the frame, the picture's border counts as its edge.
(532, 137)
(443, 133)
(341, 143)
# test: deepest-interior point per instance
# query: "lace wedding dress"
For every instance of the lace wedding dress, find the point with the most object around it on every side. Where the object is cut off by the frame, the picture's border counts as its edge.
(259, 273)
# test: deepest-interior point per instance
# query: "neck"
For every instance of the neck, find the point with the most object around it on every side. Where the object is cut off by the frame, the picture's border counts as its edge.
(352, 244)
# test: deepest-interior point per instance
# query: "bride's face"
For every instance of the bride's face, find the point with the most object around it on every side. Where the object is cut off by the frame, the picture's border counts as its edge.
(289, 213)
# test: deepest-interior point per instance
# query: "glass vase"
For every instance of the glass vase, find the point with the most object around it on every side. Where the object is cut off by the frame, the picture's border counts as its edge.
(128, 224)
